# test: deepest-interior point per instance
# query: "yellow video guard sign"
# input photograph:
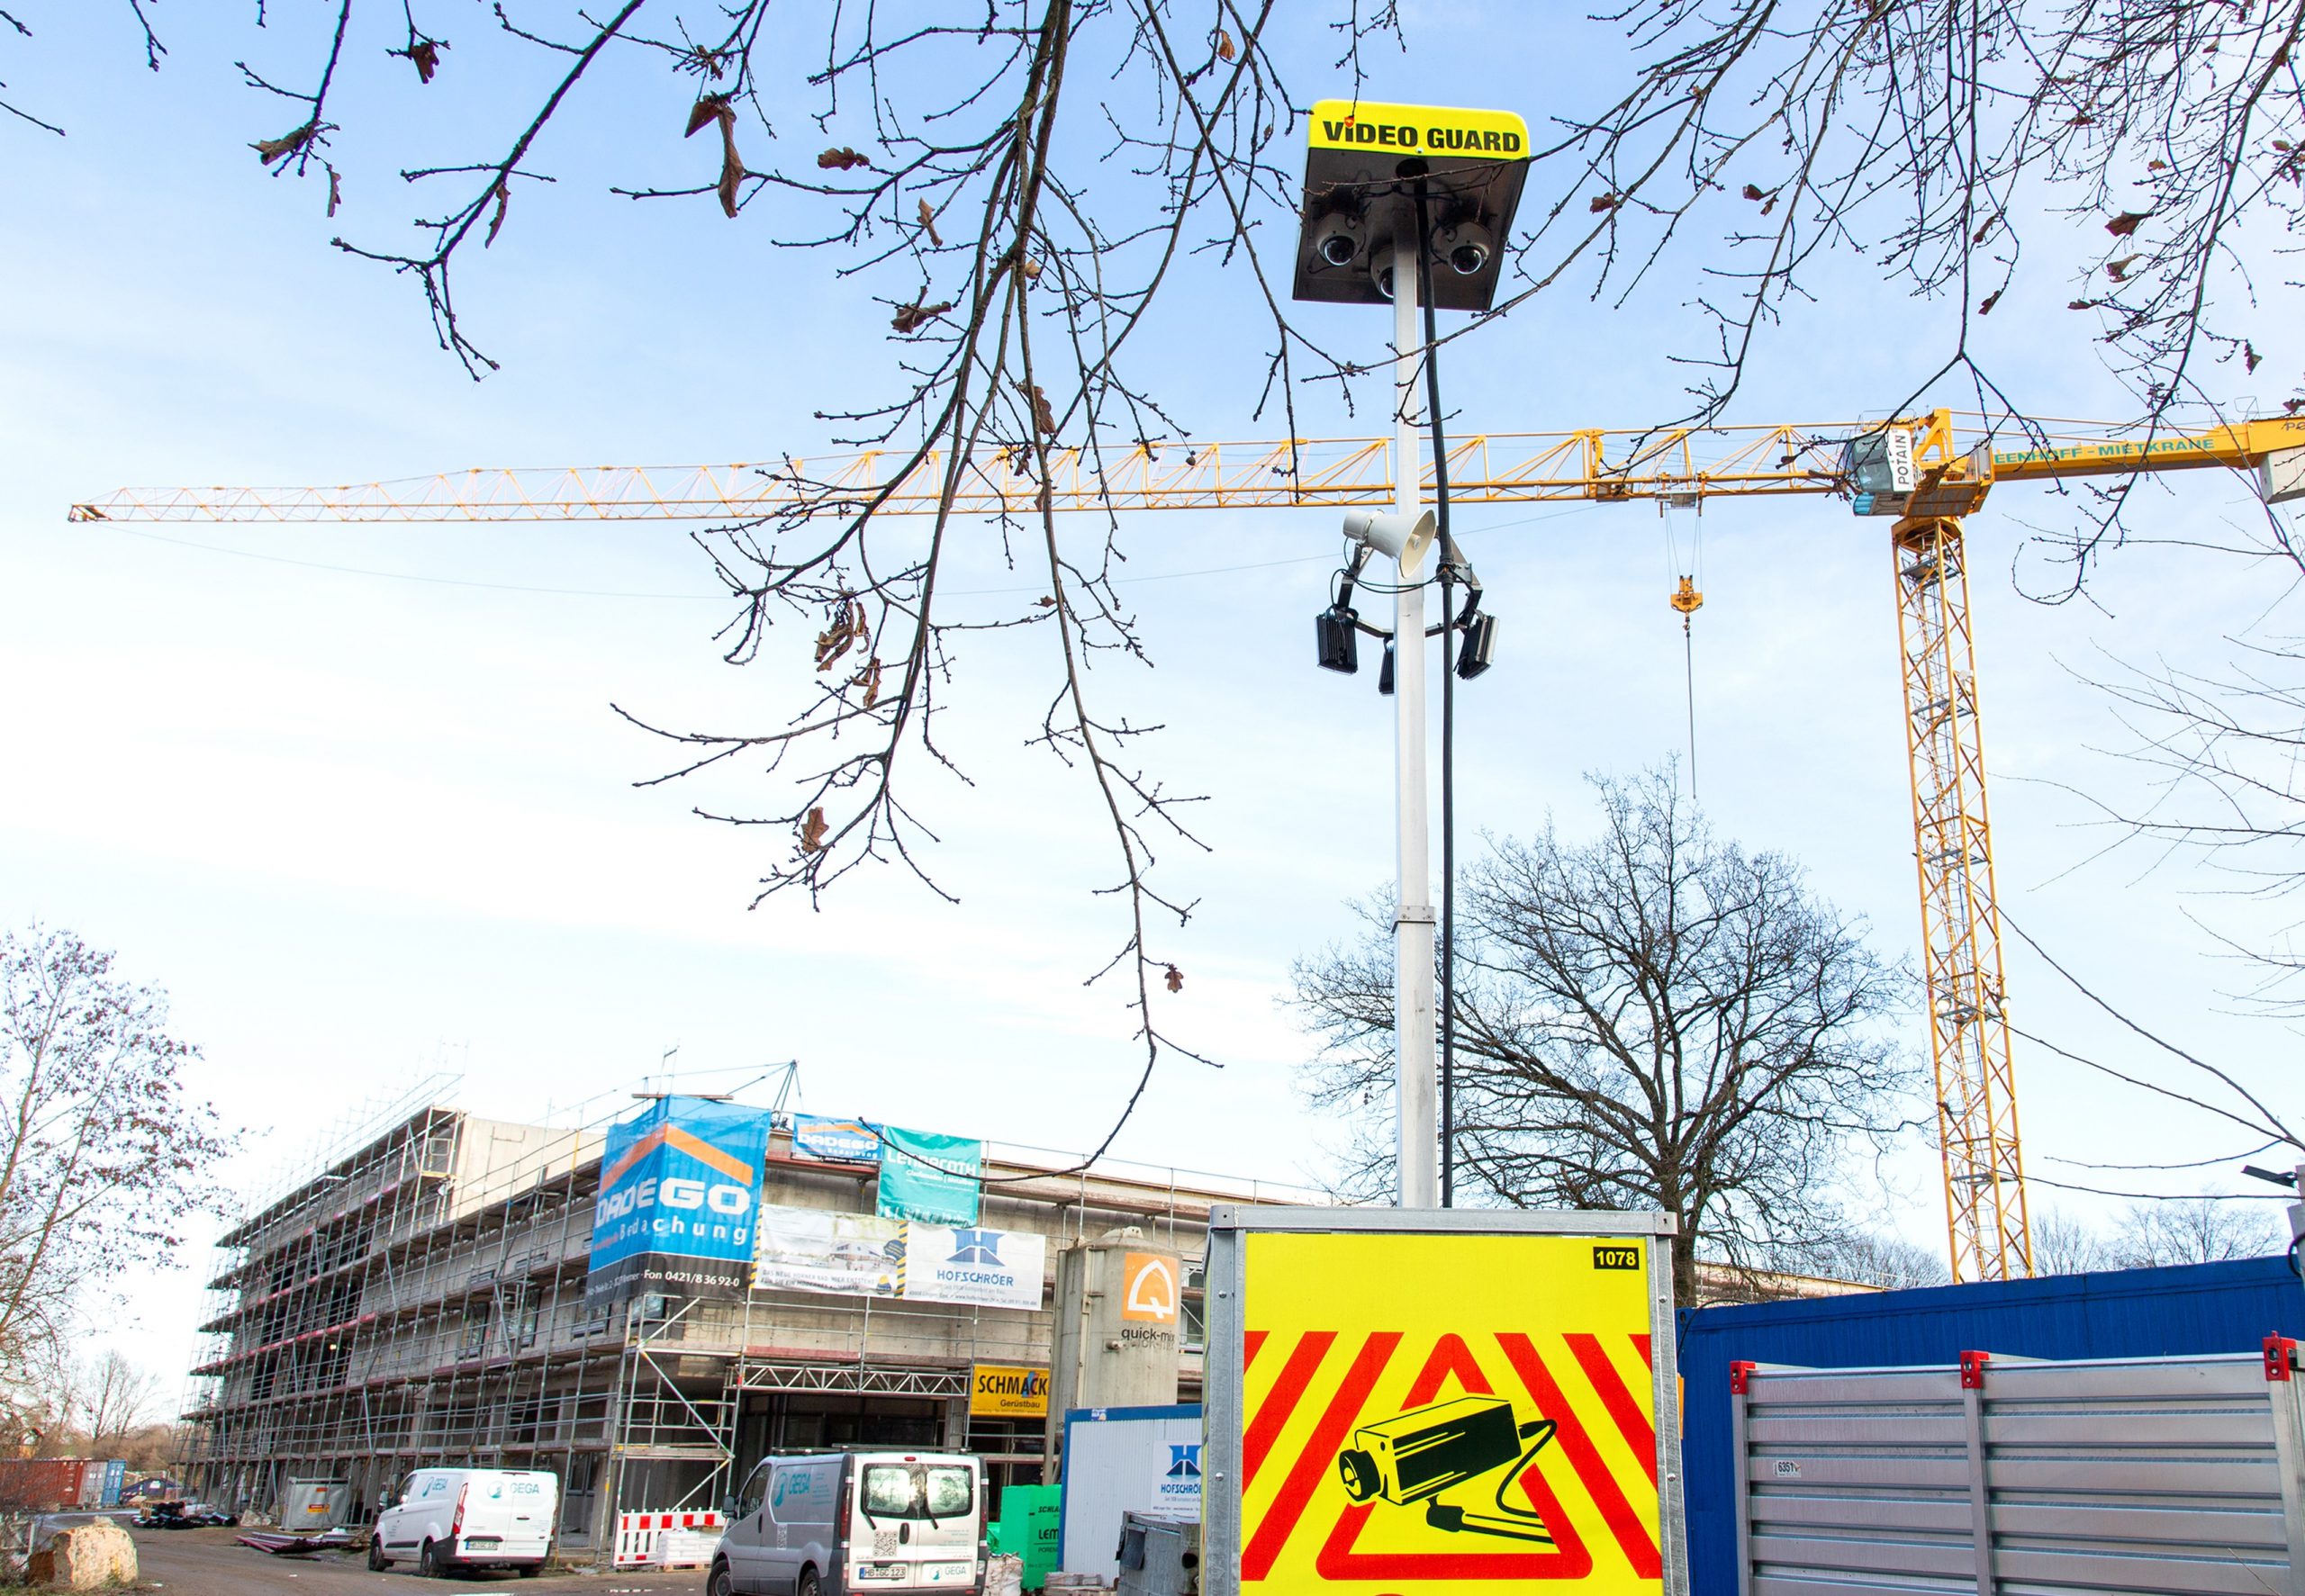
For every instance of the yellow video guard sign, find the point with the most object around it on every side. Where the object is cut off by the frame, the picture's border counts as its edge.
(1008, 1391)
(1419, 129)
(1467, 1411)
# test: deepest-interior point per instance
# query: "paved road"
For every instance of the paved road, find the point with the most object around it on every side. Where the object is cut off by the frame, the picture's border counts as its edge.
(208, 1563)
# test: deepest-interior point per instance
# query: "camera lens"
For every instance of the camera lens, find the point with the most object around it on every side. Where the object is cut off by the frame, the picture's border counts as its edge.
(1359, 1472)
(1336, 249)
(1468, 259)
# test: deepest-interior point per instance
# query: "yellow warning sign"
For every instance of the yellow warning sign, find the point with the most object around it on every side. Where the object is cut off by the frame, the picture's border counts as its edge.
(1419, 129)
(1473, 1410)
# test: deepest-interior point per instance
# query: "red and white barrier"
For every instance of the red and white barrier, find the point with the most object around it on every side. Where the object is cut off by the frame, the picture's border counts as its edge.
(666, 1540)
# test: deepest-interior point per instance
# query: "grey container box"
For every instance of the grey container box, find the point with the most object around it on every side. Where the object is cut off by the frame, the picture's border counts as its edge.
(2157, 1476)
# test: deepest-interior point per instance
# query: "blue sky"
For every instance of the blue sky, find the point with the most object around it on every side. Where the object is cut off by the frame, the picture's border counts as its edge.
(361, 824)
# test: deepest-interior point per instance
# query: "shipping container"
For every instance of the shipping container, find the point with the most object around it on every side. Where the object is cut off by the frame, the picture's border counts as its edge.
(91, 1483)
(116, 1474)
(2198, 1308)
(40, 1484)
(2177, 1476)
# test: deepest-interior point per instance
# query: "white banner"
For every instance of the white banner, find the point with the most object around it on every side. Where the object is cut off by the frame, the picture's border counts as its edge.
(988, 1268)
(850, 1255)
(860, 1255)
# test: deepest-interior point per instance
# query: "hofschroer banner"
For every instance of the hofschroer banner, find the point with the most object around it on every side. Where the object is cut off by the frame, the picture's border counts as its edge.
(679, 1203)
(861, 1255)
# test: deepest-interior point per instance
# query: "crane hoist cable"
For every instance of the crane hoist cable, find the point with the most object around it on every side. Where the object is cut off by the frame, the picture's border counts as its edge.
(1688, 599)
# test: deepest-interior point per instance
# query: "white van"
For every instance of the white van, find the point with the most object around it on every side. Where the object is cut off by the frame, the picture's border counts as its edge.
(853, 1523)
(444, 1519)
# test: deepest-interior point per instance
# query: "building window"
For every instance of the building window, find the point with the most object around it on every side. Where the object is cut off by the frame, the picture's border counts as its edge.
(1195, 1293)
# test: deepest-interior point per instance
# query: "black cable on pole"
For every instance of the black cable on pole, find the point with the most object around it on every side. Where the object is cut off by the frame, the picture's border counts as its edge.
(1448, 710)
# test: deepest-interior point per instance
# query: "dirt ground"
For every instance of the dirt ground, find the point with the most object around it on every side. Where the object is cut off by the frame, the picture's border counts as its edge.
(209, 1562)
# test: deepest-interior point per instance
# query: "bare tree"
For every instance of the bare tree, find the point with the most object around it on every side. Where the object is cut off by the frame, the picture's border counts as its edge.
(103, 1153)
(1652, 1019)
(1869, 1258)
(1023, 185)
(2063, 1243)
(115, 1397)
(2203, 1230)
(2221, 753)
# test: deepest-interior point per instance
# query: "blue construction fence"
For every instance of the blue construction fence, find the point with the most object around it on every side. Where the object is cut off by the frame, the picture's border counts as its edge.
(2191, 1309)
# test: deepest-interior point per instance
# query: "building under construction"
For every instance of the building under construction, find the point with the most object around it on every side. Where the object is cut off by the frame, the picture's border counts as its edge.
(419, 1298)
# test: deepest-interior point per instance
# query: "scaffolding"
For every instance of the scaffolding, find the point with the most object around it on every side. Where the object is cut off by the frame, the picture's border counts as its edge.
(416, 1297)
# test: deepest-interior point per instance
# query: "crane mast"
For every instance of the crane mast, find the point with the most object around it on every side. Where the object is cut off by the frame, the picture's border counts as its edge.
(1912, 469)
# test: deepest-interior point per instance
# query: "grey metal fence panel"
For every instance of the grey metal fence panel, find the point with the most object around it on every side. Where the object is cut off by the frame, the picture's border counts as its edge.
(2145, 1477)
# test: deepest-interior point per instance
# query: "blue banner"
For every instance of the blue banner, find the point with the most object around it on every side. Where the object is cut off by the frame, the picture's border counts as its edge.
(839, 1141)
(929, 1178)
(678, 1200)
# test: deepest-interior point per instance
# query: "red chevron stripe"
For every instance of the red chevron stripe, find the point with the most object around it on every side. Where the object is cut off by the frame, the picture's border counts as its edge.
(1280, 1401)
(1319, 1454)
(1615, 1510)
(1638, 1433)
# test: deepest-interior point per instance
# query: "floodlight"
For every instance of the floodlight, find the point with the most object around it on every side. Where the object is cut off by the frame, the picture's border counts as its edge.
(1404, 538)
(1336, 636)
(1479, 646)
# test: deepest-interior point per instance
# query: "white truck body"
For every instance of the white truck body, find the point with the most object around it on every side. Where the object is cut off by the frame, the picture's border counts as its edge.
(855, 1524)
(444, 1519)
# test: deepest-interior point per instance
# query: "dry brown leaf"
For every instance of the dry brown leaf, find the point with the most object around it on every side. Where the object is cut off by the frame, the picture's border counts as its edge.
(1044, 417)
(2121, 226)
(732, 173)
(2081, 304)
(928, 225)
(869, 679)
(1985, 305)
(2289, 407)
(841, 159)
(912, 317)
(496, 222)
(1754, 191)
(425, 55)
(2160, 166)
(1045, 602)
(269, 150)
(2118, 270)
(1175, 978)
(2249, 355)
(1604, 202)
(812, 833)
(335, 189)
(1224, 50)
(708, 108)
(1030, 268)
(848, 629)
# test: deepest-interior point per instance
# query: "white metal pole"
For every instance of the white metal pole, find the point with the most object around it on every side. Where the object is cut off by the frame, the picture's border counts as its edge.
(1418, 1092)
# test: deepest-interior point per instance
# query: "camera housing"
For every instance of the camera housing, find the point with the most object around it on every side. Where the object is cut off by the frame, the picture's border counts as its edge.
(1421, 1453)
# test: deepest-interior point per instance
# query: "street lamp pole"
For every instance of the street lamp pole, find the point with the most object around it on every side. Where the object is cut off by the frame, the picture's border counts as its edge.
(1417, 1093)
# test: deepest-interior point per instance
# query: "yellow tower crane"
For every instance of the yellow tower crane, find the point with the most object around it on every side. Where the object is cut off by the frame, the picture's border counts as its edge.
(1926, 471)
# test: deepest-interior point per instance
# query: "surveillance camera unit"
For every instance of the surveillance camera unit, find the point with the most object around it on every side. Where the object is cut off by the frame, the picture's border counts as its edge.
(1466, 247)
(1339, 237)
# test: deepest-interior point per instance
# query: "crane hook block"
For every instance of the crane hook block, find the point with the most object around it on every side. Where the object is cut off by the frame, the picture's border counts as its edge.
(1688, 600)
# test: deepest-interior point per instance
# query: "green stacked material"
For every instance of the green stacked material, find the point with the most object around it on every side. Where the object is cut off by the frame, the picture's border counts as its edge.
(1027, 1528)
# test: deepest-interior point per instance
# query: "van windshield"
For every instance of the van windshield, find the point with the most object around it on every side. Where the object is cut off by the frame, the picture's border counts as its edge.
(918, 1490)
